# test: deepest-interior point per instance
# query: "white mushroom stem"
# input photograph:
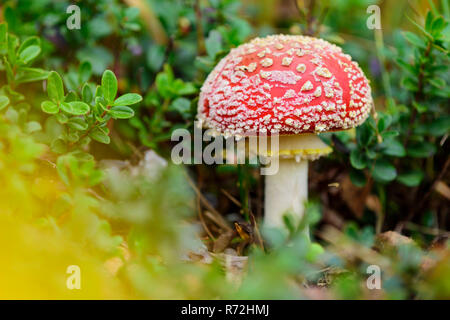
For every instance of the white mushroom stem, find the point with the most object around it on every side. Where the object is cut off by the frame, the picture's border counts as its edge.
(286, 192)
(287, 189)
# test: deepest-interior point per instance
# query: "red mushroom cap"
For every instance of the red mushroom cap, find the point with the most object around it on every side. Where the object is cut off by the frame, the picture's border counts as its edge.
(285, 85)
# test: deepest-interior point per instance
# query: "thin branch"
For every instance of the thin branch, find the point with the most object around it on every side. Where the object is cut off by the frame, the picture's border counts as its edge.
(214, 215)
(202, 220)
(200, 36)
(231, 198)
(426, 230)
(258, 238)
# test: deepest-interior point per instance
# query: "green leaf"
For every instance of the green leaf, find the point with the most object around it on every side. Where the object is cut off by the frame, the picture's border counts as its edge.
(12, 115)
(389, 134)
(4, 101)
(184, 88)
(66, 107)
(32, 126)
(411, 178)
(58, 146)
(72, 136)
(71, 80)
(419, 27)
(406, 66)
(384, 121)
(444, 92)
(132, 13)
(53, 128)
(358, 159)
(155, 57)
(384, 171)
(371, 153)
(181, 105)
(3, 38)
(420, 107)
(440, 126)
(98, 92)
(132, 26)
(365, 133)
(109, 86)
(99, 135)
(437, 26)
(71, 96)
(358, 178)
(99, 27)
(49, 107)
(55, 87)
(414, 39)
(83, 156)
(13, 42)
(76, 108)
(85, 71)
(78, 124)
(438, 83)
(100, 104)
(79, 107)
(393, 147)
(422, 149)
(31, 41)
(428, 21)
(25, 74)
(86, 93)
(8, 69)
(99, 57)
(10, 16)
(314, 251)
(409, 84)
(62, 117)
(121, 112)
(62, 167)
(127, 99)
(164, 81)
(29, 53)
(213, 43)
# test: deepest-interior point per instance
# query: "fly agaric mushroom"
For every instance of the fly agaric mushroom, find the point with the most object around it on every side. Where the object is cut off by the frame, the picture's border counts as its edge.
(291, 86)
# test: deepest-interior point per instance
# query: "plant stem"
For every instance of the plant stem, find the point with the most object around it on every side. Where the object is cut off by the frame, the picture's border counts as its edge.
(379, 43)
(310, 18)
(200, 36)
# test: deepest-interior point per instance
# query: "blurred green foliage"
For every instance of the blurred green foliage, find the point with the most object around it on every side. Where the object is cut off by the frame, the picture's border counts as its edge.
(131, 222)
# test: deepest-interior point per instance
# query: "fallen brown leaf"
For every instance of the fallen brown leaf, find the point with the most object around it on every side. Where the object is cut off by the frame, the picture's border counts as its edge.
(443, 189)
(391, 240)
(354, 197)
(223, 241)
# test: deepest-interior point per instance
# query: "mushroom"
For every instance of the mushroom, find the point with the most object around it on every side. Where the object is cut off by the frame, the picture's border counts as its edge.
(291, 87)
